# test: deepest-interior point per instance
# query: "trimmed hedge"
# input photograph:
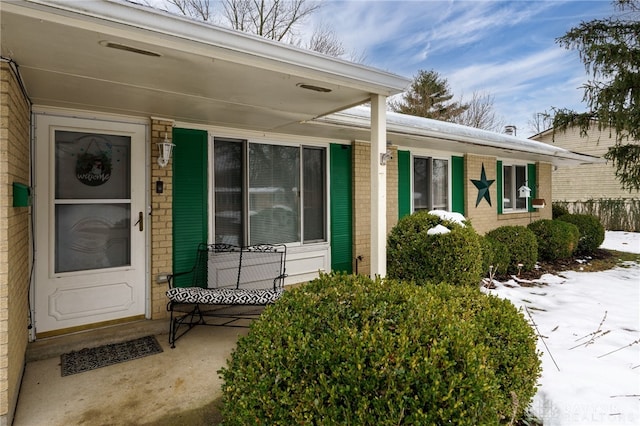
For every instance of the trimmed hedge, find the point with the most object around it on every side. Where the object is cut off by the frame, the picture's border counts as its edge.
(558, 210)
(345, 349)
(591, 231)
(556, 239)
(413, 254)
(522, 245)
(495, 256)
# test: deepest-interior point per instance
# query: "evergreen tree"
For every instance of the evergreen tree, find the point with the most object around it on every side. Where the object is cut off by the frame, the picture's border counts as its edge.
(610, 51)
(429, 96)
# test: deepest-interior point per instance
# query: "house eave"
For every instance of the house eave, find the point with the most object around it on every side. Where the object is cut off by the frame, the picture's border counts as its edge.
(199, 37)
(422, 132)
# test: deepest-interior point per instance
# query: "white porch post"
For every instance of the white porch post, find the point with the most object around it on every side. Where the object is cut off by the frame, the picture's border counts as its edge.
(378, 187)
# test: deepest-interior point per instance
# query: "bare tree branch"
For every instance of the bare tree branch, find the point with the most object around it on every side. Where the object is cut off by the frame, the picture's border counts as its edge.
(480, 113)
(273, 19)
(199, 9)
(324, 40)
(540, 121)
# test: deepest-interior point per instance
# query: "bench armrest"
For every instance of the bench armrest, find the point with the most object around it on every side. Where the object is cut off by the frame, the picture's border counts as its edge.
(278, 282)
(170, 277)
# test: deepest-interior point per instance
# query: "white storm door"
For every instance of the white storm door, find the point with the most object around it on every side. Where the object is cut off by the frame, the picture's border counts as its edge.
(90, 232)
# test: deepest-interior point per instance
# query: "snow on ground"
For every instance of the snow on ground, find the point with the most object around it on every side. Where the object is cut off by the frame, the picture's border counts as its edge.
(622, 241)
(591, 348)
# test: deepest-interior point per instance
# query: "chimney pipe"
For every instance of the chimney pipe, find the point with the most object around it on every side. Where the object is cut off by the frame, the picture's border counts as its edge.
(510, 130)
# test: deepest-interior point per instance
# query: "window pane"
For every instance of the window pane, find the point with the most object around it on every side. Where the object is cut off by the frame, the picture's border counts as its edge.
(92, 166)
(440, 184)
(521, 179)
(507, 188)
(274, 193)
(421, 177)
(228, 191)
(92, 236)
(313, 196)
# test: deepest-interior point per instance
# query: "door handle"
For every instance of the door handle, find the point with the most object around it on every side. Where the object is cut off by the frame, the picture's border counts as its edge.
(140, 221)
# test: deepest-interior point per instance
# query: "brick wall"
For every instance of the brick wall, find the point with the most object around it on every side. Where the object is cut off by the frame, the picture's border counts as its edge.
(483, 217)
(544, 176)
(15, 253)
(161, 220)
(362, 201)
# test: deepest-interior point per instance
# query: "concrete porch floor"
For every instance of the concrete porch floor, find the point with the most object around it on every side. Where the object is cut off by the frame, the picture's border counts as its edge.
(136, 392)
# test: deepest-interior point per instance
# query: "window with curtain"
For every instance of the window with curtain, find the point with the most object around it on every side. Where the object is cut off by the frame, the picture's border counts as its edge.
(267, 193)
(513, 177)
(430, 184)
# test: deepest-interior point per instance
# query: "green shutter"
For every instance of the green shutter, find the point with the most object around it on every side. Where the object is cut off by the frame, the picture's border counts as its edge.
(341, 208)
(190, 199)
(404, 184)
(457, 184)
(531, 183)
(499, 188)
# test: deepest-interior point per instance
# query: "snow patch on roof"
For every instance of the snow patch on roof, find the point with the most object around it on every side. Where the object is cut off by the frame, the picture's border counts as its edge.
(360, 116)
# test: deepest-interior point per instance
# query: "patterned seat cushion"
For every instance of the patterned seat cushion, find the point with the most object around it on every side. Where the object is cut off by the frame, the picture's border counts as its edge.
(223, 296)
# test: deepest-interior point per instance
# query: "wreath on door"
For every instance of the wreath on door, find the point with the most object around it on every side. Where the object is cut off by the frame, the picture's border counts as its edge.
(93, 165)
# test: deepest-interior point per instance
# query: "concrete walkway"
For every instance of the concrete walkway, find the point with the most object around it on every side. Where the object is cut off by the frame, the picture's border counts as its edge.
(136, 392)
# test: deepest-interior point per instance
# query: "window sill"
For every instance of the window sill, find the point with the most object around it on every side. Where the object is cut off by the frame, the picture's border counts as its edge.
(515, 214)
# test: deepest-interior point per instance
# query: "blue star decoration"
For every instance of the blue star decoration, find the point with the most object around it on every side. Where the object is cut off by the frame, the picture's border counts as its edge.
(483, 187)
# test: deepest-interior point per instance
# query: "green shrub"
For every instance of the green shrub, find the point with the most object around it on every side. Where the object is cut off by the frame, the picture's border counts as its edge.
(347, 350)
(556, 239)
(558, 209)
(591, 231)
(413, 254)
(495, 256)
(522, 245)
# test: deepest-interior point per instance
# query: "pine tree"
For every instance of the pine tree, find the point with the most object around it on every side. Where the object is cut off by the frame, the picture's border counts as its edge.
(610, 51)
(429, 96)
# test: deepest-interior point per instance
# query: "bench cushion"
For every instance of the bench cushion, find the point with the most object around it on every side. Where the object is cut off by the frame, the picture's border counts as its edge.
(224, 296)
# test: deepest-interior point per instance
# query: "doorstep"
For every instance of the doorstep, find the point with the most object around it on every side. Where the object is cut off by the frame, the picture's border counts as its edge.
(51, 347)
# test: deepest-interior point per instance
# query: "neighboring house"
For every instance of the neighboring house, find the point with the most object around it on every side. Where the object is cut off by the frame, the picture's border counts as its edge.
(91, 222)
(582, 186)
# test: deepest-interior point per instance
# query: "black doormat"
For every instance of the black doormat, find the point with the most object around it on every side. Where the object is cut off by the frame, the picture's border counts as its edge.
(101, 356)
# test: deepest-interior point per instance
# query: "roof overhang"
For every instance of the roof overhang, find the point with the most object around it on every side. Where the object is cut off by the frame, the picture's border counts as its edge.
(423, 133)
(120, 57)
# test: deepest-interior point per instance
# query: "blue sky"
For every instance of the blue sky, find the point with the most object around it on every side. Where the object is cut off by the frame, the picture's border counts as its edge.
(504, 48)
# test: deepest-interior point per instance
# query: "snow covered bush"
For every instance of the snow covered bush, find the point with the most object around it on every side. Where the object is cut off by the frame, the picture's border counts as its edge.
(522, 245)
(556, 239)
(591, 231)
(434, 246)
(349, 350)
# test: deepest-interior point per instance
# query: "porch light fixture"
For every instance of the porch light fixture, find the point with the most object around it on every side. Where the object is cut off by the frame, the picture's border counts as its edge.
(165, 147)
(386, 156)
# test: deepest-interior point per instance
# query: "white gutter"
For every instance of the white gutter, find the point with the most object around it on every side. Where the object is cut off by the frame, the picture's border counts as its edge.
(408, 125)
(236, 46)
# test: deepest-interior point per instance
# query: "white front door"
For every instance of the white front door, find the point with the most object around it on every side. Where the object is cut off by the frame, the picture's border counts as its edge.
(90, 223)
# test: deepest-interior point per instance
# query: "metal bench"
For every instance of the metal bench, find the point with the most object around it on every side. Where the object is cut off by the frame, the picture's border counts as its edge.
(225, 276)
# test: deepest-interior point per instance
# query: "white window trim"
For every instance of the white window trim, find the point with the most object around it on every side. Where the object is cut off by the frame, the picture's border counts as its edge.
(286, 140)
(419, 154)
(511, 210)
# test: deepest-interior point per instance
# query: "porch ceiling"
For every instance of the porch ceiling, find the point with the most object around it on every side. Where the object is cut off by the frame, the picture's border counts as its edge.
(181, 69)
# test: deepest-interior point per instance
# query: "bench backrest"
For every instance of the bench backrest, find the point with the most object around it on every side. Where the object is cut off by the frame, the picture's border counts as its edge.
(227, 266)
